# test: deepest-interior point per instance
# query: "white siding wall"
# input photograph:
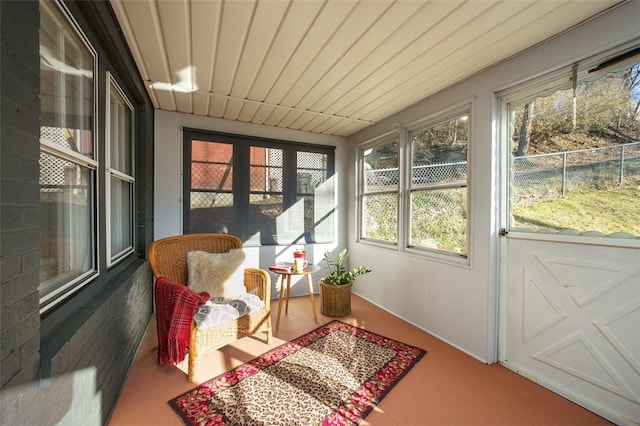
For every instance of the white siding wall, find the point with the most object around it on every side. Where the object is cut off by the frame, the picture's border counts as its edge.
(458, 304)
(168, 181)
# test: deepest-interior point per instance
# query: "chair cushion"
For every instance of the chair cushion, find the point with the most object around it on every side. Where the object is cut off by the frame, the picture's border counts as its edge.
(219, 274)
(218, 311)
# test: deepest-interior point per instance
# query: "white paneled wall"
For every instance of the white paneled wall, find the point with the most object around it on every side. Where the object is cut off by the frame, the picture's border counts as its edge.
(459, 304)
(456, 303)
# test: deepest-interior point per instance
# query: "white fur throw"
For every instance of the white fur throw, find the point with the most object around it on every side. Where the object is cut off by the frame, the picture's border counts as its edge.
(219, 274)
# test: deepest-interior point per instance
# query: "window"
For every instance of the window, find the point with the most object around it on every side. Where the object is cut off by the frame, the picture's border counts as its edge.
(86, 173)
(120, 176)
(420, 201)
(379, 206)
(438, 199)
(68, 160)
(576, 153)
(264, 191)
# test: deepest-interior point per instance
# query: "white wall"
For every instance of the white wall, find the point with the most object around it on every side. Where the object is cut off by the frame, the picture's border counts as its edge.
(458, 303)
(168, 181)
(455, 303)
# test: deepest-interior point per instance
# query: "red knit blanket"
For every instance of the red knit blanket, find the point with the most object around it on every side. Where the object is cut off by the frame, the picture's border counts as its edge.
(175, 307)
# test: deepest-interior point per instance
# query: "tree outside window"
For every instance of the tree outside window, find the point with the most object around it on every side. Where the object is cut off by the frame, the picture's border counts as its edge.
(438, 198)
(576, 155)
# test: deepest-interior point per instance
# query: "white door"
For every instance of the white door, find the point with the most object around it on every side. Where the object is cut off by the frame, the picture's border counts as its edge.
(570, 282)
(572, 321)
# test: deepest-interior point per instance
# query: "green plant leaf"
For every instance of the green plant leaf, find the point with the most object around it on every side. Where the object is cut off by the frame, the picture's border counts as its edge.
(337, 274)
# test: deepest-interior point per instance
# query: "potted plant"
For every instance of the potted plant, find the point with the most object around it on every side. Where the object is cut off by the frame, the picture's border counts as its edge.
(335, 287)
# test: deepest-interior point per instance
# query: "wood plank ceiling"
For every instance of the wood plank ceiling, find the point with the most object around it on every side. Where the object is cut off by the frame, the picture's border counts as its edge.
(332, 66)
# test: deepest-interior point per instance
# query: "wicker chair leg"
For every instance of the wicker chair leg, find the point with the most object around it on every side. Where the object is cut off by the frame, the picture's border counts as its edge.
(192, 369)
(269, 331)
(191, 372)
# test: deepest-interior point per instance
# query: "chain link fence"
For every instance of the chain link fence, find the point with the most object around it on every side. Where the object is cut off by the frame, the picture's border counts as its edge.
(450, 174)
(535, 177)
(439, 194)
(548, 176)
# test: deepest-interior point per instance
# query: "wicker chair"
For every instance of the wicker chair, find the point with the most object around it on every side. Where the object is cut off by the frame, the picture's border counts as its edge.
(168, 258)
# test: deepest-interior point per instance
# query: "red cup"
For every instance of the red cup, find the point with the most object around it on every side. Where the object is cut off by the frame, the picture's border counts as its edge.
(300, 255)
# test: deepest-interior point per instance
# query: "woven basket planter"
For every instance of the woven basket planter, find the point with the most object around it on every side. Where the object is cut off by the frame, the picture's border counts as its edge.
(335, 299)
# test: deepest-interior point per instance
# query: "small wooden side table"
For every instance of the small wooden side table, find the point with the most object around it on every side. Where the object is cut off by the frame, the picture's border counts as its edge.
(285, 288)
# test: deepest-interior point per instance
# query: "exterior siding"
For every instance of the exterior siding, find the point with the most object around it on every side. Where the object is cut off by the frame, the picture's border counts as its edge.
(83, 374)
(66, 368)
(19, 196)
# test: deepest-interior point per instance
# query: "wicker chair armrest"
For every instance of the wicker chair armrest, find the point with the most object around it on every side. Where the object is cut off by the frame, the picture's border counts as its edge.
(258, 281)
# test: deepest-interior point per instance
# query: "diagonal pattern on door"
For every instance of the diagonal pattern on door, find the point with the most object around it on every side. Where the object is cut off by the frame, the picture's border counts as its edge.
(573, 322)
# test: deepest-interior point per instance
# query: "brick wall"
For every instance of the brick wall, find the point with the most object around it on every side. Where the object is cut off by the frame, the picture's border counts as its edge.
(19, 192)
(83, 372)
(85, 360)
(69, 367)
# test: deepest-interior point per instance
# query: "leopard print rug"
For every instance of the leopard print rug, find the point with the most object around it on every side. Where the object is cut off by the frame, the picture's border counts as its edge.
(334, 375)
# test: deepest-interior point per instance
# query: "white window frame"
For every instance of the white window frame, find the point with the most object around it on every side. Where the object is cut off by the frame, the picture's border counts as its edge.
(540, 86)
(112, 172)
(404, 185)
(68, 288)
(465, 109)
(362, 192)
